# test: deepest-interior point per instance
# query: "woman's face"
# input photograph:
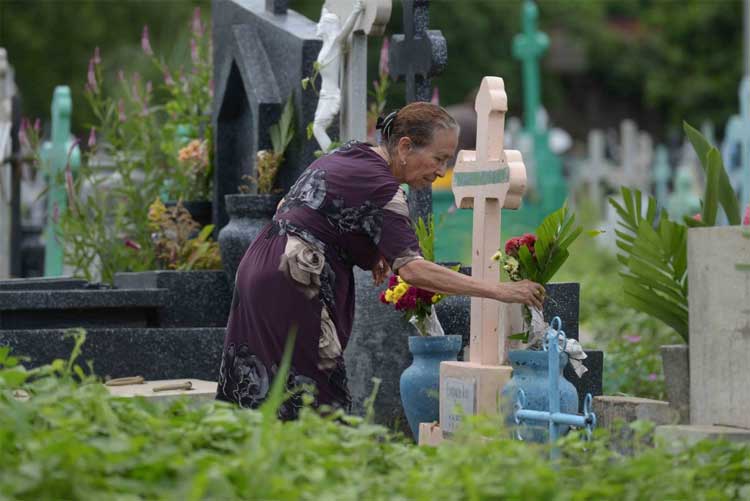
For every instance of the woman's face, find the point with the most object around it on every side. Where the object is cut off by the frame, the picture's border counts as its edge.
(424, 165)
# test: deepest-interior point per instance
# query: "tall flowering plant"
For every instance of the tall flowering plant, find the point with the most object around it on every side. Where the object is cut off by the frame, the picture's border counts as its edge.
(418, 305)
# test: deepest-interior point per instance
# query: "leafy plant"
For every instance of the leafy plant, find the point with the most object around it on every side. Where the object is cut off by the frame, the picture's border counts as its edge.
(654, 254)
(426, 237)
(718, 190)
(154, 140)
(65, 437)
(176, 244)
(654, 249)
(268, 162)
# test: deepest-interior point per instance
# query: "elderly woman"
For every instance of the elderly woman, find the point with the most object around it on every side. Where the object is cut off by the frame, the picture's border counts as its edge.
(347, 208)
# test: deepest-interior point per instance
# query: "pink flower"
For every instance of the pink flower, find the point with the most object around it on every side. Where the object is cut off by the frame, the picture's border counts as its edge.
(435, 97)
(37, 125)
(698, 217)
(149, 87)
(97, 57)
(168, 78)
(633, 339)
(92, 137)
(197, 24)
(746, 219)
(383, 64)
(145, 42)
(22, 137)
(132, 244)
(121, 110)
(652, 377)
(194, 56)
(393, 281)
(91, 77)
(382, 298)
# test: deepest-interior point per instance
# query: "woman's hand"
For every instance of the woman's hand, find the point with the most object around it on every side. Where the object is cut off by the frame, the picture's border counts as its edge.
(525, 291)
(380, 271)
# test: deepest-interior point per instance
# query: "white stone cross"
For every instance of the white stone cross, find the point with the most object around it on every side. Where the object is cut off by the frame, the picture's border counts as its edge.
(354, 103)
(488, 180)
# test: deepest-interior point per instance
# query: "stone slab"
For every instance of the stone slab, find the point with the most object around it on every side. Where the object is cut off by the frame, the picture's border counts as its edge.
(201, 390)
(487, 382)
(610, 410)
(193, 299)
(43, 283)
(59, 309)
(680, 436)
(719, 326)
(151, 353)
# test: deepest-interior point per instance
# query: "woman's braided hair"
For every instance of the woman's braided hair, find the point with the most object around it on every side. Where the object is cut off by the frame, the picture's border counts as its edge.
(417, 121)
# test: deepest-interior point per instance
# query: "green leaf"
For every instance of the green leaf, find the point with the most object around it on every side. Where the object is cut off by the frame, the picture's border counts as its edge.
(727, 197)
(711, 194)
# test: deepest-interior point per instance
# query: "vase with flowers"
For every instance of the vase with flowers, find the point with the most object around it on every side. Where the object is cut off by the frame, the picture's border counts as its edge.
(420, 382)
(538, 257)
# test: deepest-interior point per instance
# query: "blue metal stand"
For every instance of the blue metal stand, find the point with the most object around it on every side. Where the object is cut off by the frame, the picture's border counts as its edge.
(554, 417)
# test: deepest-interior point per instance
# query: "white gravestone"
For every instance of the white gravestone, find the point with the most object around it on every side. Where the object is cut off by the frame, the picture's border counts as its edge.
(485, 180)
(371, 22)
(719, 298)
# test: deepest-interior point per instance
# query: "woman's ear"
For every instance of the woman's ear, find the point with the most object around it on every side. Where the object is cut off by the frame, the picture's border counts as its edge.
(405, 146)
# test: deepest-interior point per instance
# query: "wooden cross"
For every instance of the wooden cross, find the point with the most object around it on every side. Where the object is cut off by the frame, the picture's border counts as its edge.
(528, 47)
(487, 180)
(353, 120)
(418, 53)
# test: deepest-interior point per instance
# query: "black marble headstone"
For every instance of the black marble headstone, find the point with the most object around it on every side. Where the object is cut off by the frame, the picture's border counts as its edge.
(260, 59)
(415, 56)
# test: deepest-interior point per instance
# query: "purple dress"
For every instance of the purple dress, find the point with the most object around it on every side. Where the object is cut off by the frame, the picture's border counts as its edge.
(345, 209)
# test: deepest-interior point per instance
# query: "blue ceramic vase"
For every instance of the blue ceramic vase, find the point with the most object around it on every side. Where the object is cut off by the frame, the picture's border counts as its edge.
(530, 374)
(420, 382)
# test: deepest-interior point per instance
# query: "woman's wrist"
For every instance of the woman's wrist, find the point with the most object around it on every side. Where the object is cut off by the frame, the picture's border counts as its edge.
(501, 292)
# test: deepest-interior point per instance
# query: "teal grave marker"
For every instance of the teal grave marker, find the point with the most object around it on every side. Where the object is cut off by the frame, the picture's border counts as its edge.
(55, 155)
(551, 188)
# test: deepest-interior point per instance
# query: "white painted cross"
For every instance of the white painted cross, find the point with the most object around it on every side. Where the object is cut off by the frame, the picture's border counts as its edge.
(596, 168)
(354, 103)
(487, 180)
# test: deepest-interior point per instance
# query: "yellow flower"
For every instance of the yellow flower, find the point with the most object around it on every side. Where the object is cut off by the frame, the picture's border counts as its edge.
(399, 291)
(156, 212)
(497, 256)
(389, 295)
(400, 280)
(436, 298)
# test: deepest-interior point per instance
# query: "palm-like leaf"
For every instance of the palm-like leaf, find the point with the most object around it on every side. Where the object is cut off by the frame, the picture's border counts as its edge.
(654, 255)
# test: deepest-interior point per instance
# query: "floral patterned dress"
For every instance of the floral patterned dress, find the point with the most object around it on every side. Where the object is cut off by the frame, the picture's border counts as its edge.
(345, 209)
